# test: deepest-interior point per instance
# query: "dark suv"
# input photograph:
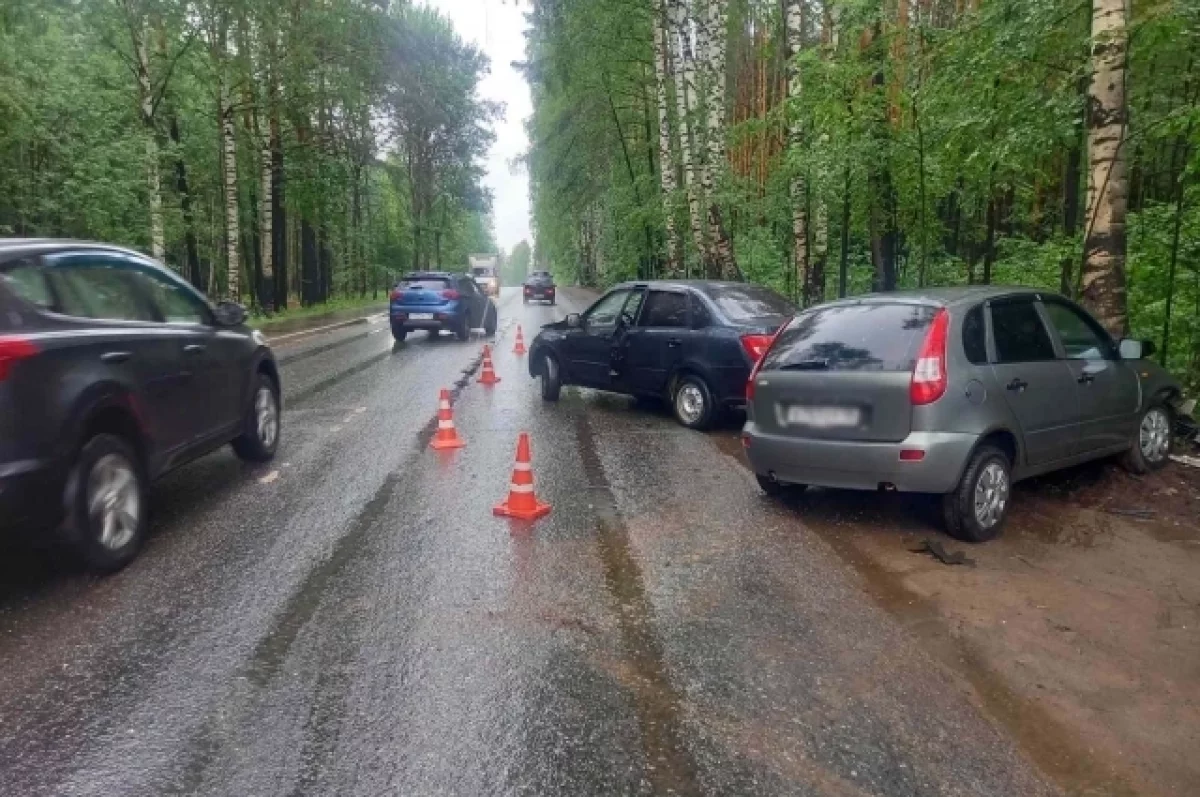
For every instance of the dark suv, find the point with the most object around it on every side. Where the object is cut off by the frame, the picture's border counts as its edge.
(113, 371)
(539, 286)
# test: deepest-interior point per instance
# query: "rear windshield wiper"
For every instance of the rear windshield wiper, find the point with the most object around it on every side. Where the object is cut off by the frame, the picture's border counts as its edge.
(806, 365)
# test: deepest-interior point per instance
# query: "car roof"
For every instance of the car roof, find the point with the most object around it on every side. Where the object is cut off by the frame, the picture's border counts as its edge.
(704, 286)
(16, 247)
(429, 275)
(945, 297)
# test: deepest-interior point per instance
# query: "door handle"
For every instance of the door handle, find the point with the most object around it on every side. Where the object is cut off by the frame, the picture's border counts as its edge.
(1085, 378)
(1017, 384)
(674, 343)
(194, 348)
(114, 357)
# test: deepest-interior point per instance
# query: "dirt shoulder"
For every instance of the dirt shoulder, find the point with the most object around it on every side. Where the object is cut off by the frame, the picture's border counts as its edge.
(1079, 629)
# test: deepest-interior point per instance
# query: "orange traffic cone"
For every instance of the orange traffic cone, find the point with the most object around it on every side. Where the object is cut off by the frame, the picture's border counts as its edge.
(519, 348)
(488, 377)
(446, 435)
(521, 503)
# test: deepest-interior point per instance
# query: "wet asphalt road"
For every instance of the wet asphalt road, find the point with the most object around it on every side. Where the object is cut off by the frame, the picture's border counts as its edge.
(353, 620)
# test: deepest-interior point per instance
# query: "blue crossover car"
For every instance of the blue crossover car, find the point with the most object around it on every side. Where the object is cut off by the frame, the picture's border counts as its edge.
(437, 301)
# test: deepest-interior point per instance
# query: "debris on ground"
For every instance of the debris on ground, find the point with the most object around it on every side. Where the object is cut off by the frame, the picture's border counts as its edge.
(1184, 459)
(938, 551)
(1140, 514)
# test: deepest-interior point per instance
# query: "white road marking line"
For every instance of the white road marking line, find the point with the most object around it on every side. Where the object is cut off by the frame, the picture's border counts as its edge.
(270, 477)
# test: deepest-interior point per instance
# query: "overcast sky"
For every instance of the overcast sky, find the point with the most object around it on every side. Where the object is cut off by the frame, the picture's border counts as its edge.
(497, 27)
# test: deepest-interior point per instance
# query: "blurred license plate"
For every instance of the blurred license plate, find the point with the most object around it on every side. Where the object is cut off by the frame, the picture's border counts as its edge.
(421, 316)
(823, 417)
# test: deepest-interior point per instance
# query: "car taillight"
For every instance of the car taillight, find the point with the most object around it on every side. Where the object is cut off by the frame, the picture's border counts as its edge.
(396, 294)
(12, 351)
(929, 378)
(450, 293)
(757, 347)
(528, 289)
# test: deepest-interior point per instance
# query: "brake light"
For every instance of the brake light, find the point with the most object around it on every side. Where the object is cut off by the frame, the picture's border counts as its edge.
(528, 289)
(396, 294)
(12, 351)
(929, 378)
(450, 293)
(757, 347)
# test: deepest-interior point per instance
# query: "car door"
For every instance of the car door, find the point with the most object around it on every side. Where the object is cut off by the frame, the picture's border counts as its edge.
(1108, 390)
(588, 349)
(99, 294)
(215, 359)
(655, 344)
(1038, 387)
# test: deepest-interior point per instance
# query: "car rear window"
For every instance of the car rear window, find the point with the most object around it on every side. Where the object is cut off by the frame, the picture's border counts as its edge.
(481, 271)
(852, 337)
(425, 284)
(748, 302)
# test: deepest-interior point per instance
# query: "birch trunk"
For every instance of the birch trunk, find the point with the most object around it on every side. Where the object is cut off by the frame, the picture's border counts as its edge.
(794, 27)
(684, 99)
(229, 180)
(146, 107)
(1103, 274)
(666, 157)
(715, 26)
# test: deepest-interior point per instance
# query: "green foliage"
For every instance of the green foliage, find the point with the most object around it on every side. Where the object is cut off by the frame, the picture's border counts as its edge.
(517, 265)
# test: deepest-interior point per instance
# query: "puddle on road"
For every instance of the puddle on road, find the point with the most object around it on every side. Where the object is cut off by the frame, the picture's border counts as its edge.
(669, 764)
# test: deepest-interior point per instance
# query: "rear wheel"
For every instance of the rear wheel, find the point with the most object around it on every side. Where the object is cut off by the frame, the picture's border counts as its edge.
(978, 507)
(399, 333)
(490, 320)
(106, 504)
(551, 378)
(693, 402)
(260, 426)
(462, 330)
(1151, 445)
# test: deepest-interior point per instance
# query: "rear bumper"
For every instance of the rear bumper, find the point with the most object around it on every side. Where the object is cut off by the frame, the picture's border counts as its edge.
(30, 496)
(540, 293)
(442, 318)
(857, 465)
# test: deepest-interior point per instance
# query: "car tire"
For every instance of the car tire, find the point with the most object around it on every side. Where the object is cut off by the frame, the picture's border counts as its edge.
(553, 302)
(1150, 448)
(399, 333)
(260, 427)
(692, 403)
(490, 320)
(978, 507)
(434, 333)
(778, 489)
(551, 376)
(463, 330)
(107, 510)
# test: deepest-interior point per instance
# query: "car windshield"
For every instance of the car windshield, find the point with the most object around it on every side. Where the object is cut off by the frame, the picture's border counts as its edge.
(845, 337)
(481, 271)
(743, 303)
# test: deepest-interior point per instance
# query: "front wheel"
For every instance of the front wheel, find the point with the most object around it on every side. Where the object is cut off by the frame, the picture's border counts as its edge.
(490, 320)
(978, 507)
(260, 425)
(551, 379)
(106, 504)
(693, 403)
(1151, 445)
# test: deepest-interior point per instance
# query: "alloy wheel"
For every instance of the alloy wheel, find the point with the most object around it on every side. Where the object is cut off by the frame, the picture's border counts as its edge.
(991, 494)
(1154, 436)
(114, 500)
(689, 403)
(266, 416)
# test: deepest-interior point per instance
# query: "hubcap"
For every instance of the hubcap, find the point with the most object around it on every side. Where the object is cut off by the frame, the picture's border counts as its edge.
(689, 403)
(991, 495)
(114, 501)
(1154, 437)
(266, 416)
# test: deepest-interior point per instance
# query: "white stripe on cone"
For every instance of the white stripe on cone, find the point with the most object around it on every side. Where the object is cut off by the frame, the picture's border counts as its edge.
(524, 466)
(520, 488)
(445, 424)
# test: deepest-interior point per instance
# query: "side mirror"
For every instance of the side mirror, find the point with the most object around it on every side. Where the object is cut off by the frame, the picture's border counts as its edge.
(574, 321)
(230, 314)
(1132, 349)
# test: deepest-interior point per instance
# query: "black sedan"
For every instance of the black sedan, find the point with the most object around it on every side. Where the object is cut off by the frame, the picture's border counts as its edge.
(691, 343)
(113, 371)
(539, 286)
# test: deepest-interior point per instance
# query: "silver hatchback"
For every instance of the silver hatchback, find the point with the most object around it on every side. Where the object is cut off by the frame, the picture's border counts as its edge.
(956, 391)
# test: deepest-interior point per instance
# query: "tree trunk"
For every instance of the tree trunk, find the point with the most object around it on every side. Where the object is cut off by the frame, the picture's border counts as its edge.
(279, 239)
(1103, 273)
(666, 156)
(794, 29)
(146, 107)
(191, 246)
(1071, 192)
(844, 262)
(310, 274)
(684, 101)
(724, 263)
(229, 180)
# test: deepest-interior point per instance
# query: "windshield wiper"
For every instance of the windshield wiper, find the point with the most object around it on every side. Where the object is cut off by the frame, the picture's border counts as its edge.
(806, 365)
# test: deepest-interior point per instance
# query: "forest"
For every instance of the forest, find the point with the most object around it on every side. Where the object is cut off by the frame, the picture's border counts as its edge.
(279, 152)
(833, 147)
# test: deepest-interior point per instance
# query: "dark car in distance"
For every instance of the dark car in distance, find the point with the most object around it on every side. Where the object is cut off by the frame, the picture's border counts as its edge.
(691, 343)
(113, 371)
(539, 287)
(958, 392)
(439, 301)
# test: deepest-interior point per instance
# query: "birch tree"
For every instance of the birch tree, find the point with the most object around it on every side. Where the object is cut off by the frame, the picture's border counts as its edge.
(685, 101)
(714, 26)
(794, 34)
(1103, 275)
(666, 153)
